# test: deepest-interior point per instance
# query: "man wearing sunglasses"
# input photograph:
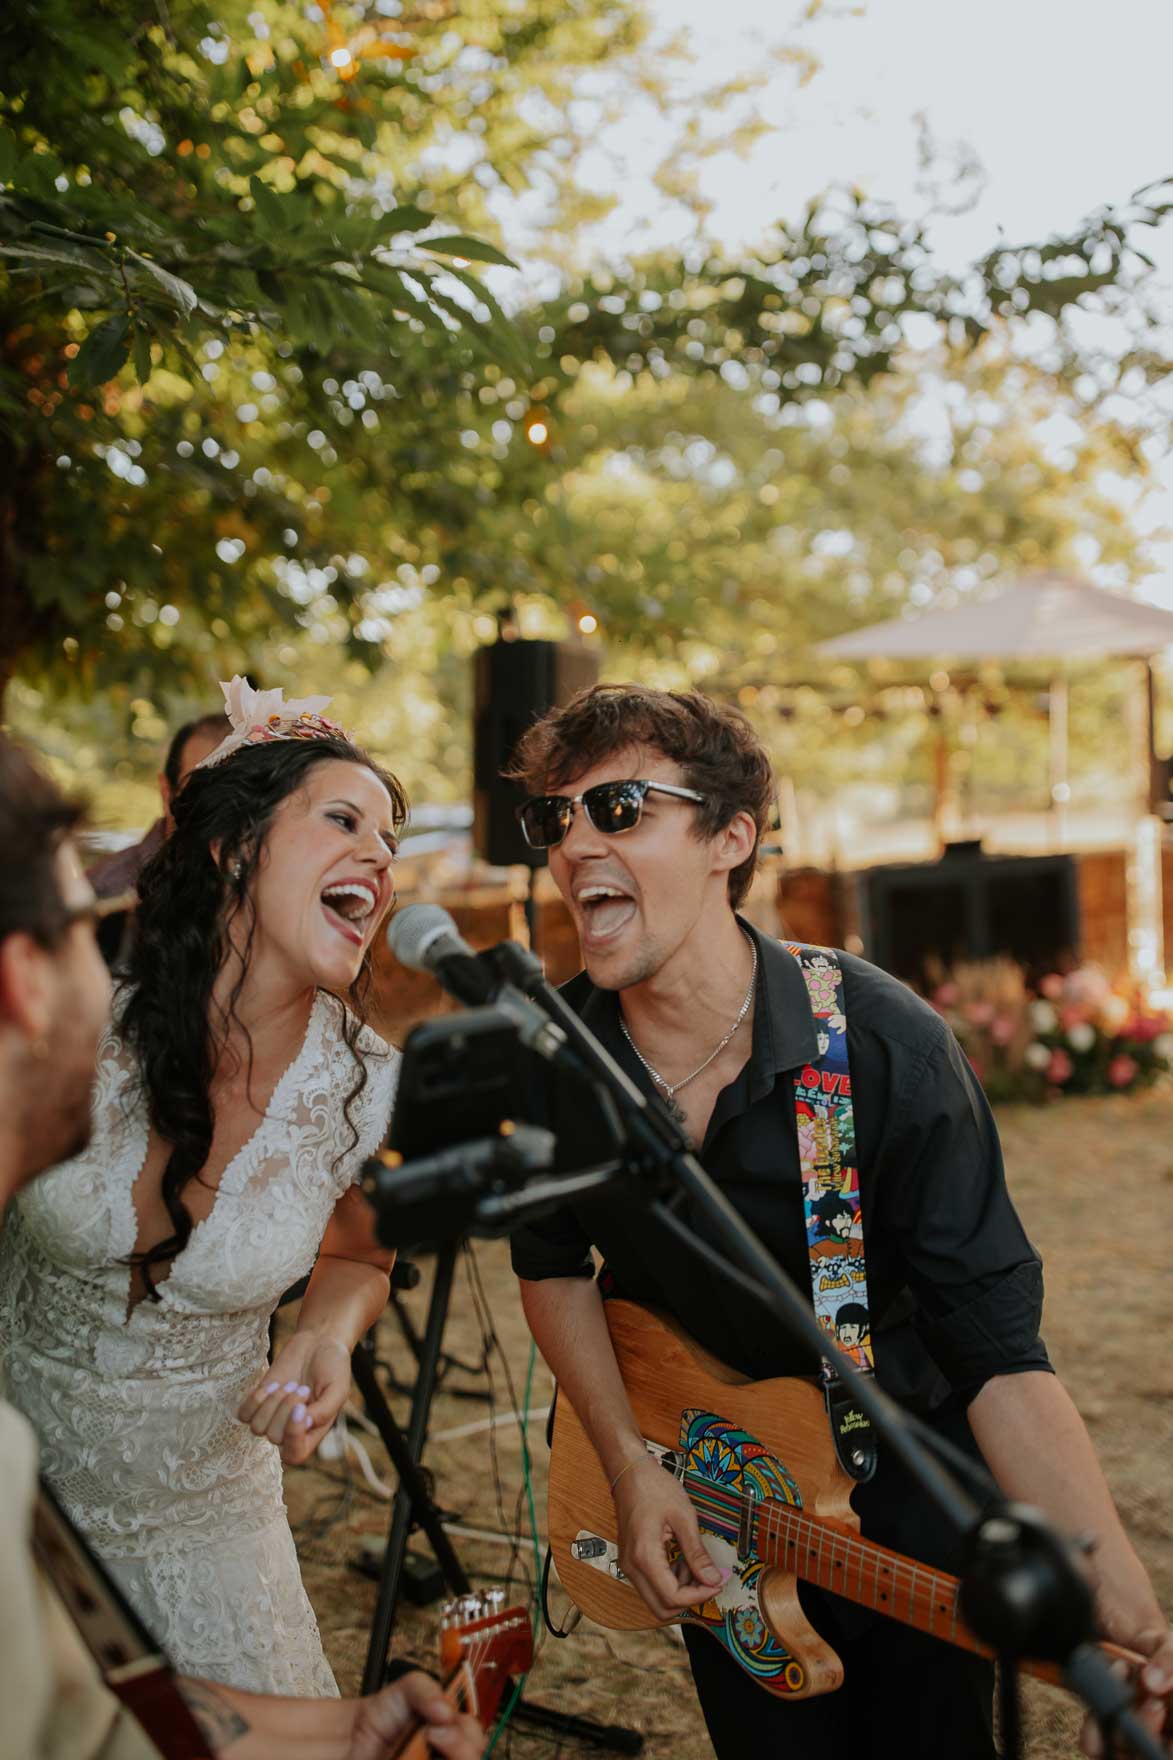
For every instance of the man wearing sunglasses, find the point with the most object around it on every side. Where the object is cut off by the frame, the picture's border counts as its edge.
(652, 805)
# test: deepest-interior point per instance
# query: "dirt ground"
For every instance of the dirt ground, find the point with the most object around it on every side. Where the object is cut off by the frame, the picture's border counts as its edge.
(1094, 1182)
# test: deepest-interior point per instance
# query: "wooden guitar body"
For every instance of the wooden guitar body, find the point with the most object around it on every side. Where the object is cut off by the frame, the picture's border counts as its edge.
(756, 1461)
(767, 1439)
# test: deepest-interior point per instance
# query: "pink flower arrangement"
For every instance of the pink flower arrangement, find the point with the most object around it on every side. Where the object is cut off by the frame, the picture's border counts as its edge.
(1072, 1033)
(1060, 1069)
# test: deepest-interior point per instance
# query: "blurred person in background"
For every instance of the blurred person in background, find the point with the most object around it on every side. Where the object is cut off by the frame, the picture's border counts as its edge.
(117, 873)
(190, 745)
(54, 1005)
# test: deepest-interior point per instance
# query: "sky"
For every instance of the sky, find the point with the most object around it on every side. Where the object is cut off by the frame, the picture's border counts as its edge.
(1056, 107)
(1064, 102)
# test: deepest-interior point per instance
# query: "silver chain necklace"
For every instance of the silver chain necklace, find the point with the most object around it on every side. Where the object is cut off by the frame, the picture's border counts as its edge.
(671, 1089)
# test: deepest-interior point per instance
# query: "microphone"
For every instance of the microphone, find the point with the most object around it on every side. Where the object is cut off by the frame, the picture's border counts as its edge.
(424, 938)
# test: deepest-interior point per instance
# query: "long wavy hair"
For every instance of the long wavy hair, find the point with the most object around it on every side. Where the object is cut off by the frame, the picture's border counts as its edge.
(169, 1015)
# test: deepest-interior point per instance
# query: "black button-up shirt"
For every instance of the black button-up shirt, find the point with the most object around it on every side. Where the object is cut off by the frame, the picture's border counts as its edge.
(954, 1285)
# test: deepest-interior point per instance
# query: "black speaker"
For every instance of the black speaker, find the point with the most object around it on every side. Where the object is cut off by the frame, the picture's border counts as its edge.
(970, 906)
(515, 683)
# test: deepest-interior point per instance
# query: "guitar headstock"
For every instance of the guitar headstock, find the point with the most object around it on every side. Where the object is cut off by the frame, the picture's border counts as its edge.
(477, 1631)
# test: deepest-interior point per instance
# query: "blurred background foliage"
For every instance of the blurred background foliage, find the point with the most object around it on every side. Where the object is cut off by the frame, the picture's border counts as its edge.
(273, 396)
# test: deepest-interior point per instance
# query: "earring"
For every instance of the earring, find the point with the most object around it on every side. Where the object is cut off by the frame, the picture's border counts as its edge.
(237, 870)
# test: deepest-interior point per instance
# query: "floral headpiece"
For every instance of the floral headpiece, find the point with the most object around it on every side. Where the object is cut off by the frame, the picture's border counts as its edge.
(260, 717)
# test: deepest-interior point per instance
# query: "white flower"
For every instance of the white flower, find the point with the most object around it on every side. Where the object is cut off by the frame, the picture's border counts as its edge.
(1036, 1056)
(247, 708)
(1043, 1017)
(1163, 1047)
(1082, 1036)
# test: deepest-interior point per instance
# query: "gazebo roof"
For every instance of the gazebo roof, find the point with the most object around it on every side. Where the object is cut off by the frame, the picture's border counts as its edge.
(1046, 615)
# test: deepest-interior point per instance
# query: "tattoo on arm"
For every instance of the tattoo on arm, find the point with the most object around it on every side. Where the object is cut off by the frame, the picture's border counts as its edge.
(219, 1722)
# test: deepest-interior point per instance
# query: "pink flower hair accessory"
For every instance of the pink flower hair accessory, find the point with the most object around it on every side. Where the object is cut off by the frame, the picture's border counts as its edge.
(260, 717)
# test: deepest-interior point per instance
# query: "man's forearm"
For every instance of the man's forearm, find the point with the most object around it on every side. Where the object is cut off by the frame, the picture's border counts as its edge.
(1039, 1451)
(565, 1315)
(258, 1726)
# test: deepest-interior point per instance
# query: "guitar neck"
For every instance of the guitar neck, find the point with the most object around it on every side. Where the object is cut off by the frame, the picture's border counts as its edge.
(838, 1559)
(459, 1688)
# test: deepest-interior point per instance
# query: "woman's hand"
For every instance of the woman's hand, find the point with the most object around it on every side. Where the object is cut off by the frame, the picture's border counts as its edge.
(301, 1394)
(383, 1719)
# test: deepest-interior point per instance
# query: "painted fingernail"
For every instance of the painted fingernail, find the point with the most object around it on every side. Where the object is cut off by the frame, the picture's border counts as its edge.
(271, 1387)
(726, 1573)
(291, 1387)
(298, 1412)
(304, 1392)
(309, 1422)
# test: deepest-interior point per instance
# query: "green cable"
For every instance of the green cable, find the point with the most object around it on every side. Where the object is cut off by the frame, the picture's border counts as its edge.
(527, 1471)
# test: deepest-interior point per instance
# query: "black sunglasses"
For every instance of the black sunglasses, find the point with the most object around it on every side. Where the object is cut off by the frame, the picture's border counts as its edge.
(610, 807)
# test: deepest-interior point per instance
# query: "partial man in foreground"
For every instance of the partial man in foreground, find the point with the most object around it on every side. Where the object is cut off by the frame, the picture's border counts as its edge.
(54, 1003)
(652, 805)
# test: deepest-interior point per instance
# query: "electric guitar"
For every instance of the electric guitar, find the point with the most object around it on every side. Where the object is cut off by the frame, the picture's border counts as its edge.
(757, 1462)
(481, 1646)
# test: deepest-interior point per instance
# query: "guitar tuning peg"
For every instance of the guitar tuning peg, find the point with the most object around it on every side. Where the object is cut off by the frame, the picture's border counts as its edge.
(494, 1600)
(470, 1607)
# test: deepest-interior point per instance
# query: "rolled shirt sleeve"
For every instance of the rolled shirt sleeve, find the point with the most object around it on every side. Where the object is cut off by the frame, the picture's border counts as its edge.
(551, 1246)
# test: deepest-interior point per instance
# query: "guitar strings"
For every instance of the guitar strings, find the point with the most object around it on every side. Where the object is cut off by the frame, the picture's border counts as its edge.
(793, 1527)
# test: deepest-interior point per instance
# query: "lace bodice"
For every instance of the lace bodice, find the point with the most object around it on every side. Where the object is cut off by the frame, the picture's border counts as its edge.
(136, 1415)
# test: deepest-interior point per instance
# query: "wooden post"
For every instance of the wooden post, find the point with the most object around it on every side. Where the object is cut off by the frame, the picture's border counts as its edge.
(1146, 909)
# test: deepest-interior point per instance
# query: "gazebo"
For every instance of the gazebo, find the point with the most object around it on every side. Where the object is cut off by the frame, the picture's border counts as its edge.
(1054, 619)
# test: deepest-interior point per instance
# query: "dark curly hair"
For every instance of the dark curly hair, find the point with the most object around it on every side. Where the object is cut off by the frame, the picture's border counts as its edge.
(168, 1015)
(717, 750)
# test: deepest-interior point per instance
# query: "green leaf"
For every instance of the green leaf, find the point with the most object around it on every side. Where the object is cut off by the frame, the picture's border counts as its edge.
(475, 249)
(181, 293)
(271, 214)
(9, 155)
(102, 354)
(142, 353)
(404, 219)
(74, 255)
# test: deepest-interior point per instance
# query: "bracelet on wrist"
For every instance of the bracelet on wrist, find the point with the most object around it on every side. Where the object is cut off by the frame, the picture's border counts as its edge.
(626, 1469)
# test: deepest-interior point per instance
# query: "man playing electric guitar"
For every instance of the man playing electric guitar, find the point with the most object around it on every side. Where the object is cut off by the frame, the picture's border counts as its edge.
(652, 805)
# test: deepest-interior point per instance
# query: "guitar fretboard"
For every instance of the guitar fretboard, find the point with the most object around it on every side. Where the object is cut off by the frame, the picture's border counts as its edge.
(870, 1575)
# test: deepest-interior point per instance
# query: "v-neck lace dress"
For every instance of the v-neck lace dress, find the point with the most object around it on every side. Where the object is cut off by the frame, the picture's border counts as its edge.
(137, 1415)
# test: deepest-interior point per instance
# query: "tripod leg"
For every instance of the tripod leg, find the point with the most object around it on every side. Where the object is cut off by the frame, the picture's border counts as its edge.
(412, 1495)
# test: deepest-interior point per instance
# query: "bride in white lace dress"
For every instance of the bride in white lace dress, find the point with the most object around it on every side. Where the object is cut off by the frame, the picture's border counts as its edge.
(237, 1098)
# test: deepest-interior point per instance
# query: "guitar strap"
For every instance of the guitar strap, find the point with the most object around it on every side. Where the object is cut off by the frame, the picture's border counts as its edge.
(129, 1661)
(830, 1195)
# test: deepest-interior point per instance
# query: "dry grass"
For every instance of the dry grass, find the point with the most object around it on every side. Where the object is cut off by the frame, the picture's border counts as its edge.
(1094, 1182)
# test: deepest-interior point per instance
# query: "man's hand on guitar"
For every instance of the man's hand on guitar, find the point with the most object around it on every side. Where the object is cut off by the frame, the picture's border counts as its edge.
(655, 1517)
(1153, 1687)
(384, 1719)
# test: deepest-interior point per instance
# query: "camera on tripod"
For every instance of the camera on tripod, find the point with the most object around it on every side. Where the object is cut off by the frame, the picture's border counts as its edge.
(458, 1157)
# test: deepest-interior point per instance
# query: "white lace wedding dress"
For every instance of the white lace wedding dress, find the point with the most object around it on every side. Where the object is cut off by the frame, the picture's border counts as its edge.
(136, 1416)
